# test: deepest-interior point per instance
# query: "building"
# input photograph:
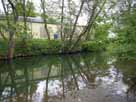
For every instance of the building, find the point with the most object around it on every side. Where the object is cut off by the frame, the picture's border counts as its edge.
(37, 30)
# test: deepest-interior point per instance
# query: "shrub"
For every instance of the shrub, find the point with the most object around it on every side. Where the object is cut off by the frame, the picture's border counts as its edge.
(42, 46)
(38, 46)
(125, 51)
(93, 46)
(54, 46)
(23, 48)
(3, 47)
(32, 47)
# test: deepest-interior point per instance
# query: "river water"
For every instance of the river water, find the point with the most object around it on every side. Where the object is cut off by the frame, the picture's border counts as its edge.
(70, 78)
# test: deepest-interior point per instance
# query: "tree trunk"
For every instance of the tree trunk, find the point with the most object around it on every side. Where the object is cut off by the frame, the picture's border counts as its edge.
(24, 15)
(11, 46)
(90, 24)
(45, 22)
(12, 30)
(75, 24)
(62, 17)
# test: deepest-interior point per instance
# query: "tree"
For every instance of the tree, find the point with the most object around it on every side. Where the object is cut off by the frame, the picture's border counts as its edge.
(69, 14)
(2, 30)
(126, 34)
(93, 14)
(62, 18)
(11, 18)
(44, 16)
(29, 8)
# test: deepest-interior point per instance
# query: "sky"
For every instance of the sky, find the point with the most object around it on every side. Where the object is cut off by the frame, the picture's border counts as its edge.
(0, 7)
(36, 3)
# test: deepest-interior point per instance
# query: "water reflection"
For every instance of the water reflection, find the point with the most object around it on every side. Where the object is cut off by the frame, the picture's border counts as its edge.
(128, 69)
(73, 78)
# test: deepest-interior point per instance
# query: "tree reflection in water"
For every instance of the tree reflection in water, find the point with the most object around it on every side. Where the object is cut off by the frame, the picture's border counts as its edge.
(57, 78)
(128, 68)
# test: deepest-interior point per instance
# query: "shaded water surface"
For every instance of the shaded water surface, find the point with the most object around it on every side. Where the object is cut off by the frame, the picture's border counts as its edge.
(73, 78)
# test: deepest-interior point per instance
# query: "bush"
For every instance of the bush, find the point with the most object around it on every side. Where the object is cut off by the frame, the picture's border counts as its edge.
(32, 47)
(93, 46)
(23, 48)
(125, 51)
(38, 46)
(3, 47)
(54, 46)
(42, 46)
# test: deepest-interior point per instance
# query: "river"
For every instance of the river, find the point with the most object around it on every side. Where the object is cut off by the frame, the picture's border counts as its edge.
(92, 77)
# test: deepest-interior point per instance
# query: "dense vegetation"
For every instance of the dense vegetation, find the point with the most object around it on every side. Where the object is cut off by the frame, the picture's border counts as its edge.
(125, 42)
(44, 47)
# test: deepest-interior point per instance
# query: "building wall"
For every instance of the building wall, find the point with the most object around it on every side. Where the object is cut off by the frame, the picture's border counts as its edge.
(38, 31)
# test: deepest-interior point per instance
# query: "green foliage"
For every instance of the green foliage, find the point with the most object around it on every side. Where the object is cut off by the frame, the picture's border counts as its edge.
(32, 47)
(42, 46)
(98, 36)
(30, 9)
(45, 46)
(52, 20)
(93, 46)
(125, 45)
(54, 46)
(23, 48)
(21, 33)
(3, 47)
(101, 31)
(38, 46)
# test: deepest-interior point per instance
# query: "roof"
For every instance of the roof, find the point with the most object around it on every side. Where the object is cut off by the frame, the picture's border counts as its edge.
(29, 19)
(34, 20)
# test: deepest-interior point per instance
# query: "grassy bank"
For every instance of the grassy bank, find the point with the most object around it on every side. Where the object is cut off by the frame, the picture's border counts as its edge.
(44, 47)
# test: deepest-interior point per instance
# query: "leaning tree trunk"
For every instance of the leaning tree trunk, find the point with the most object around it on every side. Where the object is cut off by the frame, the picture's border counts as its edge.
(90, 24)
(44, 18)
(12, 30)
(2, 35)
(62, 17)
(24, 15)
(11, 46)
(75, 23)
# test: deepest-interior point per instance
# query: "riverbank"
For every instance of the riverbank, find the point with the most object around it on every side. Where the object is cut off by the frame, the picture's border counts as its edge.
(36, 47)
